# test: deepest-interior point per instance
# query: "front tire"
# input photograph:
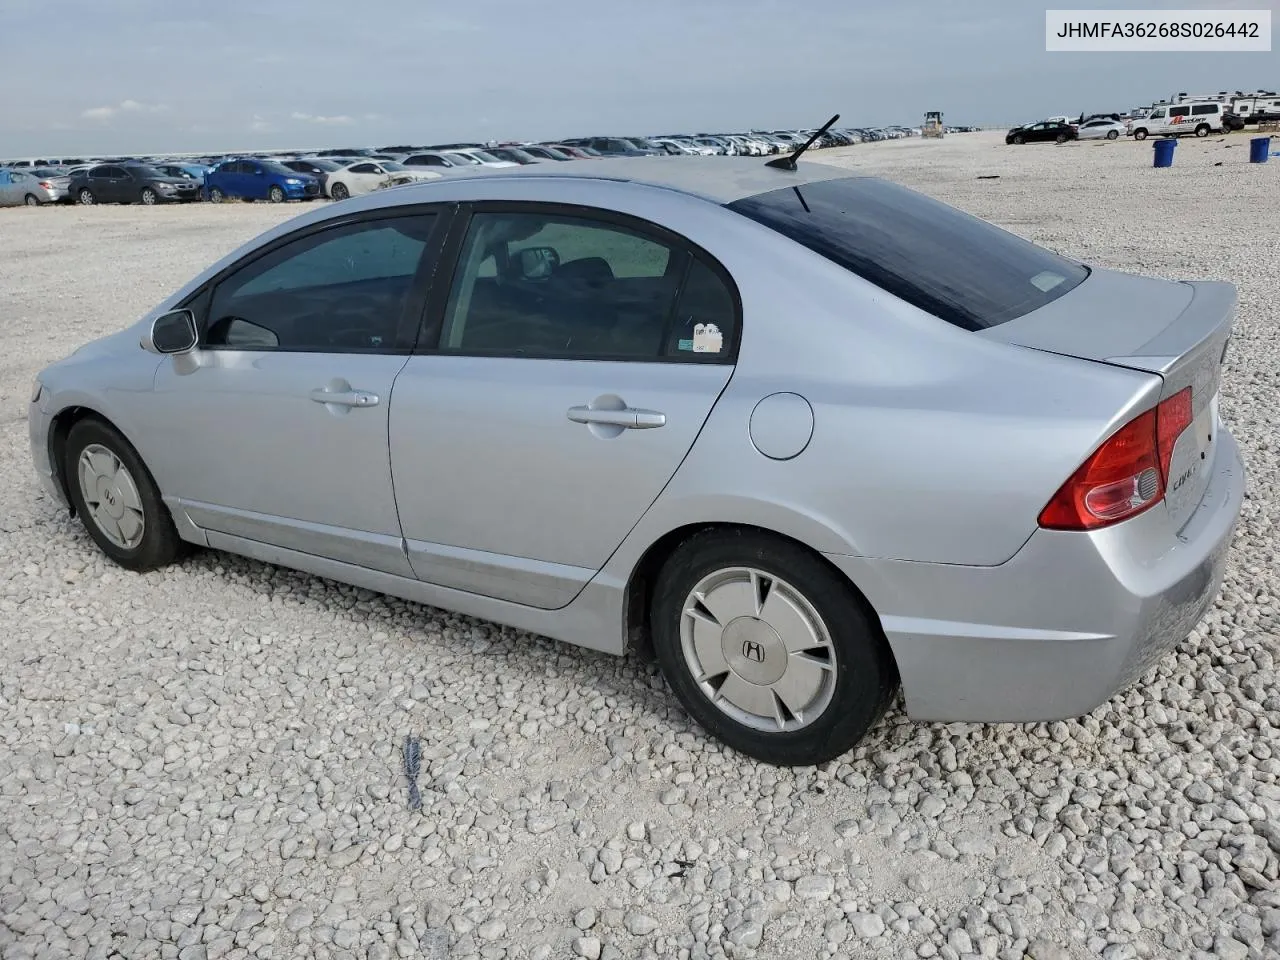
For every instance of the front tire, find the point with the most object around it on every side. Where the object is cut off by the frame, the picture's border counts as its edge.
(1140, 134)
(148, 196)
(276, 195)
(769, 648)
(86, 197)
(116, 498)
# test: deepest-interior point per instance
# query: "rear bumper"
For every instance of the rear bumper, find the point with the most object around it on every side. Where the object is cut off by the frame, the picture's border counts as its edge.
(1067, 622)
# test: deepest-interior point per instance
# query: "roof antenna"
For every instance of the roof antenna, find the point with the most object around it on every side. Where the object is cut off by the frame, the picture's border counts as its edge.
(789, 162)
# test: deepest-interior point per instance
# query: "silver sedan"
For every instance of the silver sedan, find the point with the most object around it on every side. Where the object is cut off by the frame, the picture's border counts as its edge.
(810, 435)
(19, 187)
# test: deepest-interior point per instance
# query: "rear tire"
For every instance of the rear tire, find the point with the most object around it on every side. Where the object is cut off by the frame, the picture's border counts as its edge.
(1203, 130)
(1140, 134)
(216, 195)
(86, 197)
(340, 191)
(1061, 138)
(31, 200)
(780, 661)
(1113, 134)
(116, 498)
(1019, 139)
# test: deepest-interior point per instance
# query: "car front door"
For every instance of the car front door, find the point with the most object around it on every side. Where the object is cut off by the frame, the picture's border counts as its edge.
(275, 428)
(572, 365)
(364, 177)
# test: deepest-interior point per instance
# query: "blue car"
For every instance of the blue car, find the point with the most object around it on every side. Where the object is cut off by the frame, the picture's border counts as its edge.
(248, 179)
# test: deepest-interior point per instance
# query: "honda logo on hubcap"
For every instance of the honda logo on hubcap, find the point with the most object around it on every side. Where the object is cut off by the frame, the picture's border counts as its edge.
(752, 651)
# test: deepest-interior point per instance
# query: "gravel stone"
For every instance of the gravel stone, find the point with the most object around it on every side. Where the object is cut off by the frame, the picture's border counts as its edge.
(206, 761)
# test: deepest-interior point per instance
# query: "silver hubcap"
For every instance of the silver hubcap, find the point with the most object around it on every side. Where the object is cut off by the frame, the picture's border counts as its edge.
(111, 496)
(148, 197)
(86, 197)
(758, 649)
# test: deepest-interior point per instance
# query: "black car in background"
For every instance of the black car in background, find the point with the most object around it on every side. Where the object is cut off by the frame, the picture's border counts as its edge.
(1044, 132)
(130, 183)
(318, 167)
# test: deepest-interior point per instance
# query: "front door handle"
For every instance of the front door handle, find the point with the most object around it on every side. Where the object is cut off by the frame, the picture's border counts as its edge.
(347, 398)
(631, 418)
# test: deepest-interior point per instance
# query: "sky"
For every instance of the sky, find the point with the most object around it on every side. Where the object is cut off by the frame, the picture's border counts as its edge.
(144, 76)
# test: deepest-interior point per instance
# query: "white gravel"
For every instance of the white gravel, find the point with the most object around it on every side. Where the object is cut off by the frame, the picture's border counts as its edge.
(206, 762)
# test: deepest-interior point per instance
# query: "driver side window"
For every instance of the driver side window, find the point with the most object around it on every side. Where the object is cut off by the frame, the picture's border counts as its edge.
(340, 290)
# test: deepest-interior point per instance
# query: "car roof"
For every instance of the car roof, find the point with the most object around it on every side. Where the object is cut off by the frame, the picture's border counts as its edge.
(719, 179)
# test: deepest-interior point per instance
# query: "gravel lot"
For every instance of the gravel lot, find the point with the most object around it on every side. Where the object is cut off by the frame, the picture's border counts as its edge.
(206, 762)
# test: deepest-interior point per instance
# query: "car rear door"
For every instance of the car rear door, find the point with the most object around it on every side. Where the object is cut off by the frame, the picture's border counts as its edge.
(275, 429)
(558, 385)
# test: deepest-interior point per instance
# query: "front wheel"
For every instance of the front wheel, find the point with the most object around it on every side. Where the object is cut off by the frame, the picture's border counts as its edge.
(1140, 134)
(1113, 134)
(340, 191)
(216, 195)
(275, 195)
(148, 196)
(769, 648)
(31, 200)
(116, 498)
(86, 197)
(1203, 130)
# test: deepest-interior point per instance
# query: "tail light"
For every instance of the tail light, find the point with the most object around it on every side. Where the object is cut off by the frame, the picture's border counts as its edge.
(1128, 474)
(46, 184)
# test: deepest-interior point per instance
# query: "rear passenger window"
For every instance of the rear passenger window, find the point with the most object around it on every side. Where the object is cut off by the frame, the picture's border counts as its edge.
(1204, 109)
(535, 285)
(340, 290)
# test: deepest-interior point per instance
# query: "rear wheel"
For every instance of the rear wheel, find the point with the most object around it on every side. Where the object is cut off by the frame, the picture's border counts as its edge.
(1113, 134)
(1140, 134)
(1203, 130)
(340, 191)
(31, 200)
(1019, 139)
(216, 195)
(1061, 138)
(148, 196)
(116, 498)
(769, 648)
(86, 197)
(275, 195)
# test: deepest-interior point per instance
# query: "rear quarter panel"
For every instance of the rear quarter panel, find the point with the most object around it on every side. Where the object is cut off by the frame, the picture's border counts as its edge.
(929, 443)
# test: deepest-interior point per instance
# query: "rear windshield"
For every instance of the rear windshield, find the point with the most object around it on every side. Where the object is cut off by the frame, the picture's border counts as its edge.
(957, 267)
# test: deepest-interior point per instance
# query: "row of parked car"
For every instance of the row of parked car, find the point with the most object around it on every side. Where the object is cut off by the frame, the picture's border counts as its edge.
(344, 172)
(1191, 117)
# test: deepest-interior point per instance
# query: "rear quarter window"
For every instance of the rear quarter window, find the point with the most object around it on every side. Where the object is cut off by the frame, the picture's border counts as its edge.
(957, 267)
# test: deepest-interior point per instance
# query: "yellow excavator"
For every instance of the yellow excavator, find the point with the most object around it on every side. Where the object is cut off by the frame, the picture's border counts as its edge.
(932, 126)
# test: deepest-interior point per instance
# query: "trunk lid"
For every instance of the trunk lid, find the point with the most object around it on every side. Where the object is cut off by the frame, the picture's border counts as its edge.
(1177, 331)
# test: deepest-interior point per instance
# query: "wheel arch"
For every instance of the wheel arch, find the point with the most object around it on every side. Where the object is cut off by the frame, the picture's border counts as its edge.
(60, 429)
(640, 584)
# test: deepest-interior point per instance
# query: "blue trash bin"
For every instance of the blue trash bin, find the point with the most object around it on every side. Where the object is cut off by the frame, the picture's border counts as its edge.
(1259, 148)
(1164, 152)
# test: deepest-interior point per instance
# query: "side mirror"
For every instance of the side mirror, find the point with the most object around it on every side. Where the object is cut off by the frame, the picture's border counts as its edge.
(538, 263)
(173, 333)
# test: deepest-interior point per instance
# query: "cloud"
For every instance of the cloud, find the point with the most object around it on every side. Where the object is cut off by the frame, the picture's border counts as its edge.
(339, 120)
(260, 124)
(102, 114)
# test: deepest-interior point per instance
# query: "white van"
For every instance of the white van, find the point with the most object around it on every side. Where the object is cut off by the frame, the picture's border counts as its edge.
(1173, 120)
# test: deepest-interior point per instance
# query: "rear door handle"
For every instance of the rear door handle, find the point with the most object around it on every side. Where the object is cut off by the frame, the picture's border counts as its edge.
(348, 398)
(632, 418)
